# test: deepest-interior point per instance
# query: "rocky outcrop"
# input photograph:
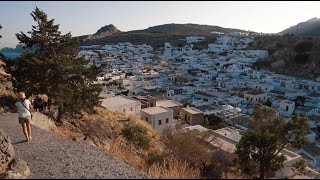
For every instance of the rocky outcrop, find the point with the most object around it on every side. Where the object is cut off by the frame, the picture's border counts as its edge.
(6, 152)
(10, 168)
(18, 170)
(108, 29)
(103, 32)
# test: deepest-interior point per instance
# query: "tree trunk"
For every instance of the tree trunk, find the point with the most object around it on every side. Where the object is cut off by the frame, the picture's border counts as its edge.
(60, 114)
(262, 172)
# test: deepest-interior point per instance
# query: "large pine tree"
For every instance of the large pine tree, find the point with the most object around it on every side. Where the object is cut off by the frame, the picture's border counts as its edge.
(52, 67)
(261, 148)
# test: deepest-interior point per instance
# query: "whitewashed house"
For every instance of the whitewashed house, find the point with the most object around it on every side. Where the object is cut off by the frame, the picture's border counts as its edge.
(122, 104)
(255, 97)
(160, 118)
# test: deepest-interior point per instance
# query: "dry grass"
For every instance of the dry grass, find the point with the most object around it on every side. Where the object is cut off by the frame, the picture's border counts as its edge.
(9, 94)
(125, 151)
(108, 116)
(65, 132)
(42, 121)
(120, 148)
(173, 169)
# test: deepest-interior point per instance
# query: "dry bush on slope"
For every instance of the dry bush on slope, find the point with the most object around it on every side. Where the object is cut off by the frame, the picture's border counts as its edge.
(126, 151)
(171, 168)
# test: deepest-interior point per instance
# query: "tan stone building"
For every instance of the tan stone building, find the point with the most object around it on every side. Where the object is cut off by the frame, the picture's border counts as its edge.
(158, 117)
(122, 104)
(171, 104)
(192, 116)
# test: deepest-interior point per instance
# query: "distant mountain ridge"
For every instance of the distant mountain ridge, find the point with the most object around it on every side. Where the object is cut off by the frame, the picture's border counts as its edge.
(110, 34)
(185, 28)
(307, 28)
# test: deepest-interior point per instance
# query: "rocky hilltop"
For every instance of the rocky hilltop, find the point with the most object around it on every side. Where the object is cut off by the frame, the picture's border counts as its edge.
(101, 33)
(310, 27)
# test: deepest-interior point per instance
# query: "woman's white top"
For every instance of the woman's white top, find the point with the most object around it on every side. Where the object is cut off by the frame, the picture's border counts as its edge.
(23, 112)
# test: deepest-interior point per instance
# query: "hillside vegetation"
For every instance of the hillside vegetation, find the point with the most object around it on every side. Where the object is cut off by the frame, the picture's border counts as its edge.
(308, 28)
(290, 55)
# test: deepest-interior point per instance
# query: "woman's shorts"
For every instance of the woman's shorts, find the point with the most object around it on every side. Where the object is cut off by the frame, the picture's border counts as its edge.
(24, 119)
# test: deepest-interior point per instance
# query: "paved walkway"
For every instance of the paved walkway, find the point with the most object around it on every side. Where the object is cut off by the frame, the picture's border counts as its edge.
(49, 156)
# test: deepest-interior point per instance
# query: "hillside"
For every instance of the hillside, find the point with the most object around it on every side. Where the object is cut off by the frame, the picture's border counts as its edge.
(101, 33)
(51, 157)
(290, 55)
(185, 29)
(156, 35)
(307, 28)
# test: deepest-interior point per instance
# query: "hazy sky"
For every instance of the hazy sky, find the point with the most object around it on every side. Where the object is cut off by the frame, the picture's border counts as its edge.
(87, 17)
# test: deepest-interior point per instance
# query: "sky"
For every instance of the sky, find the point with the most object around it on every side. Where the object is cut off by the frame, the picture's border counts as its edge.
(86, 17)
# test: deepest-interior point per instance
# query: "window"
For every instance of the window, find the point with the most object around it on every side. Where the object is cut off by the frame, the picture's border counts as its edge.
(147, 119)
(159, 122)
(248, 98)
(287, 108)
(124, 110)
(167, 120)
(131, 109)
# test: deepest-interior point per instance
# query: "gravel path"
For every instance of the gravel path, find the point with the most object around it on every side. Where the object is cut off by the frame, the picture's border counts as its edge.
(51, 157)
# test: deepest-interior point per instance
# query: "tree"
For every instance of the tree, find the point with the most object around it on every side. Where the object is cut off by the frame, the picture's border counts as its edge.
(300, 100)
(261, 147)
(303, 46)
(1, 55)
(0, 28)
(137, 134)
(54, 68)
(188, 146)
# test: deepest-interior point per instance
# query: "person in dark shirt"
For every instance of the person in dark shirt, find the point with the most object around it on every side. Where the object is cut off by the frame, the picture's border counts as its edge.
(49, 104)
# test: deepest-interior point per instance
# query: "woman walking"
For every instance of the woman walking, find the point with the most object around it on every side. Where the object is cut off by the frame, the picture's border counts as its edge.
(24, 107)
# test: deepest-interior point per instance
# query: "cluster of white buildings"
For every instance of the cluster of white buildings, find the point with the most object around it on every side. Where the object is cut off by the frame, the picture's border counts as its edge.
(218, 81)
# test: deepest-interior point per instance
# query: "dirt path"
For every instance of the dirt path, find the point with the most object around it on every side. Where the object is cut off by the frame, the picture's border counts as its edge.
(49, 156)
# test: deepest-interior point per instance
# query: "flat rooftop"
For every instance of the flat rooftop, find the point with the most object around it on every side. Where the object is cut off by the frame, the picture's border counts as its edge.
(117, 101)
(255, 92)
(192, 110)
(168, 103)
(154, 110)
(198, 128)
(229, 133)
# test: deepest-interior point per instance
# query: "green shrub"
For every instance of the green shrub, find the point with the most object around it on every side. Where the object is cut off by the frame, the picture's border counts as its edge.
(301, 58)
(303, 46)
(137, 135)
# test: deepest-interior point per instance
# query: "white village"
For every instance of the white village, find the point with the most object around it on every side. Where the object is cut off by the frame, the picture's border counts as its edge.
(181, 88)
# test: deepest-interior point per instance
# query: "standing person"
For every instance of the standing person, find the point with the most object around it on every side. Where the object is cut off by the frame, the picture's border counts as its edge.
(35, 103)
(24, 107)
(49, 104)
(44, 105)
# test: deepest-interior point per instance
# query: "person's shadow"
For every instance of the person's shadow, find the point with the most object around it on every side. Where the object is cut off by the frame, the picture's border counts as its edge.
(19, 142)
